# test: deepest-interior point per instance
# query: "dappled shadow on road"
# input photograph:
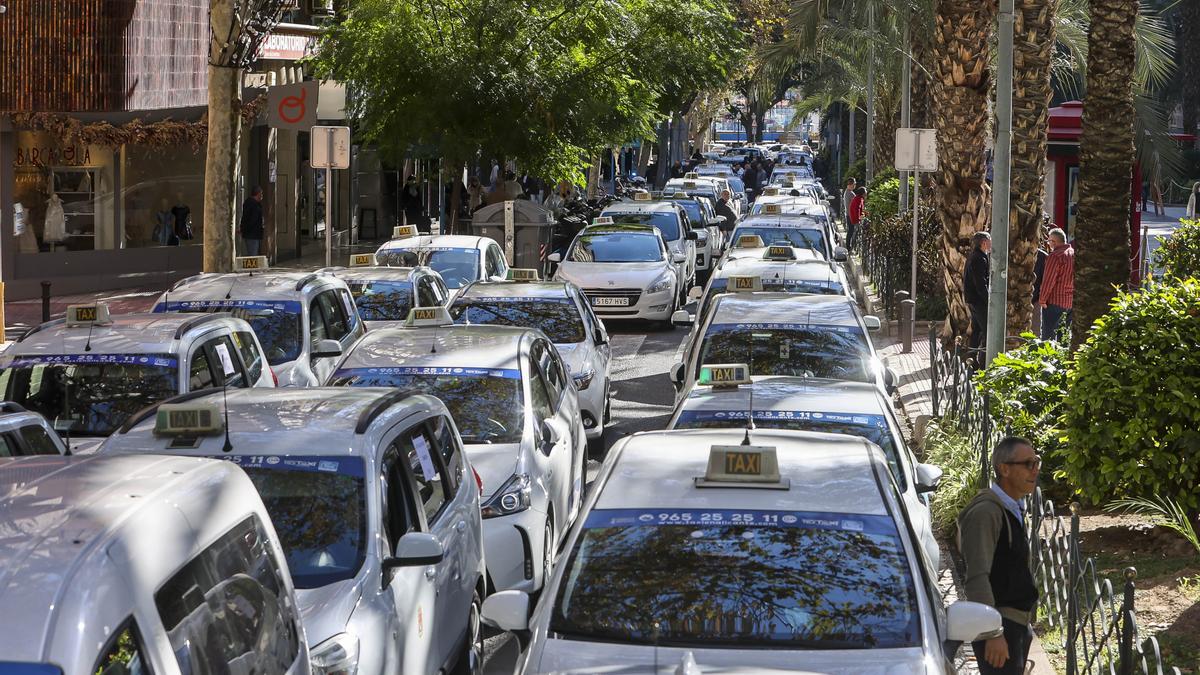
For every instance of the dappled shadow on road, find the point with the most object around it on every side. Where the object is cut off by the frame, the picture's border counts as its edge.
(654, 389)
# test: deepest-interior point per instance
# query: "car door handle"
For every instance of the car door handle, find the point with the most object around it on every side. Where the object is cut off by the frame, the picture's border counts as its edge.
(430, 573)
(461, 525)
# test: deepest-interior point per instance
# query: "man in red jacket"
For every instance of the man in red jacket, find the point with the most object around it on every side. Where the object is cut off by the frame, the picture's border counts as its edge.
(857, 206)
(1058, 285)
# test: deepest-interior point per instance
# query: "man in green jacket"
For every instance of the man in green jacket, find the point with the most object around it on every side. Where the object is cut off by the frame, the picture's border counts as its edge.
(995, 547)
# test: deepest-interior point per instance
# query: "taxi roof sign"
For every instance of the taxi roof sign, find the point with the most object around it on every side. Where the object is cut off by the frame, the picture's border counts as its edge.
(401, 231)
(724, 375)
(779, 252)
(770, 192)
(641, 196)
(691, 175)
(363, 260)
(689, 185)
(602, 220)
(428, 316)
(750, 241)
(743, 283)
(86, 315)
(522, 274)
(188, 419)
(743, 466)
(251, 263)
(772, 209)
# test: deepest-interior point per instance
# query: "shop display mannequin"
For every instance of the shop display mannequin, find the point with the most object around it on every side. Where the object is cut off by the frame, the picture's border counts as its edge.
(164, 225)
(183, 218)
(55, 229)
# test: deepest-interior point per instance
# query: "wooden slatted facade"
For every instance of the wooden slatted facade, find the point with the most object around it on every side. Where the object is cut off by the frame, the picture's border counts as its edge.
(102, 55)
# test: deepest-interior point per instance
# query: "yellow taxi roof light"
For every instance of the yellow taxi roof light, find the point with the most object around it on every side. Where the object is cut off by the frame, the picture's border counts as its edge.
(428, 316)
(251, 263)
(363, 260)
(401, 231)
(772, 209)
(779, 252)
(749, 241)
(743, 283)
(90, 314)
(743, 466)
(642, 196)
(188, 419)
(522, 274)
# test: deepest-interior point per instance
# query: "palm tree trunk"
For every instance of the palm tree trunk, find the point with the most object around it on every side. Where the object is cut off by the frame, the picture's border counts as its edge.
(887, 120)
(961, 51)
(1106, 157)
(920, 117)
(1189, 65)
(1033, 46)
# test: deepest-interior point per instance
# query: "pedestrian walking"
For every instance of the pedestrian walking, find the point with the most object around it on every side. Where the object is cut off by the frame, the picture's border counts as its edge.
(975, 286)
(724, 209)
(847, 195)
(855, 213)
(995, 548)
(252, 223)
(1194, 197)
(677, 170)
(1057, 292)
(750, 178)
(413, 203)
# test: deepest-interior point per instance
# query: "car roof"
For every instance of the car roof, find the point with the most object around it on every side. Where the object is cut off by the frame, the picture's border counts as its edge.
(458, 346)
(775, 308)
(618, 208)
(378, 273)
(508, 289)
(436, 241)
(622, 228)
(61, 515)
(738, 253)
(829, 473)
(126, 334)
(782, 392)
(811, 268)
(802, 221)
(271, 285)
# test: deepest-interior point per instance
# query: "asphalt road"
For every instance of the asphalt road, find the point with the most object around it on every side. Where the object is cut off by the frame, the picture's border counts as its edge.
(642, 400)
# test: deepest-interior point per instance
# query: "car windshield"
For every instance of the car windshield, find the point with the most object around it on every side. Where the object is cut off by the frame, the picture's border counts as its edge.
(738, 579)
(277, 323)
(558, 318)
(382, 300)
(610, 247)
(874, 428)
(487, 404)
(736, 184)
(801, 350)
(319, 509)
(458, 266)
(695, 215)
(89, 394)
(798, 237)
(667, 222)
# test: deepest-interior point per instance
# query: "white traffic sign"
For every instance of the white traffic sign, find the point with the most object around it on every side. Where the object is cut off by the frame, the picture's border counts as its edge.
(916, 150)
(330, 148)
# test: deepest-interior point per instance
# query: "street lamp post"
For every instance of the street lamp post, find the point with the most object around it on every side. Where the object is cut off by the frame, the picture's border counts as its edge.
(1001, 184)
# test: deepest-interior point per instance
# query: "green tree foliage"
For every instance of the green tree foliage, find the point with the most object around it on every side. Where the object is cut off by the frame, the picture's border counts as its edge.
(544, 82)
(883, 194)
(1131, 413)
(957, 456)
(1179, 255)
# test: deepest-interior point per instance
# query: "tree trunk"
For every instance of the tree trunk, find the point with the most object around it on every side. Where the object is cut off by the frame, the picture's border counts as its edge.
(961, 52)
(1106, 157)
(593, 182)
(221, 163)
(643, 157)
(760, 118)
(919, 116)
(1189, 66)
(887, 120)
(852, 144)
(664, 154)
(1033, 42)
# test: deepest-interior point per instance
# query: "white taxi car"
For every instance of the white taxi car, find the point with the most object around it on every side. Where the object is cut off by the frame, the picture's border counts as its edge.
(698, 553)
(800, 231)
(721, 400)
(710, 184)
(141, 564)
(785, 334)
(793, 271)
(460, 259)
(561, 311)
(89, 372)
(625, 270)
(27, 433)
(384, 295)
(706, 224)
(518, 413)
(303, 320)
(376, 510)
(671, 220)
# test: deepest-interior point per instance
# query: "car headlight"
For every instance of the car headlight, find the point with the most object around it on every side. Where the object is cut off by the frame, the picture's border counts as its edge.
(583, 379)
(512, 497)
(336, 656)
(662, 283)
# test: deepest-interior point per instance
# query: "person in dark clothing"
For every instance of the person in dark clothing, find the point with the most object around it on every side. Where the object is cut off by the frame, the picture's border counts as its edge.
(252, 223)
(750, 178)
(995, 548)
(677, 170)
(723, 209)
(975, 285)
(413, 204)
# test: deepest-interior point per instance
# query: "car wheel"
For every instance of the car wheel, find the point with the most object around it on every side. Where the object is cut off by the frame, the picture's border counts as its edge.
(607, 404)
(548, 548)
(470, 659)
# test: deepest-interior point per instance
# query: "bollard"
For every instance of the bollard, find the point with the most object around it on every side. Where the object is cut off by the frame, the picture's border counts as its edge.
(908, 317)
(1128, 625)
(45, 301)
(898, 299)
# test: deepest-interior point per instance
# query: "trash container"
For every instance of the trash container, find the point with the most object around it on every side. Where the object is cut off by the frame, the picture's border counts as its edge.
(532, 229)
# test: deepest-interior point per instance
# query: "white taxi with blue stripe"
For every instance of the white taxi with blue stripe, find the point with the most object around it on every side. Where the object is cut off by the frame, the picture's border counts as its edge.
(738, 551)
(460, 259)
(798, 231)
(561, 311)
(722, 396)
(384, 295)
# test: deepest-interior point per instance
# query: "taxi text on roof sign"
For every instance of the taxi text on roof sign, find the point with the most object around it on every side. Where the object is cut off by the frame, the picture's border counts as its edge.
(641, 196)
(428, 316)
(250, 263)
(770, 192)
(187, 419)
(689, 185)
(724, 374)
(773, 209)
(775, 252)
(692, 175)
(522, 274)
(82, 315)
(750, 241)
(602, 220)
(404, 231)
(742, 466)
(362, 260)
(743, 282)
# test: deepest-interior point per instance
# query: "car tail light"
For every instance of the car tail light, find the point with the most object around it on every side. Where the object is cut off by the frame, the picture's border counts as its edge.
(478, 481)
(274, 377)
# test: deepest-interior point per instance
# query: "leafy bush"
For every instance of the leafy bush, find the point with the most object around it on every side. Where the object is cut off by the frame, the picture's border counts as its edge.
(883, 197)
(1132, 413)
(957, 457)
(891, 239)
(857, 170)
(1179, 254)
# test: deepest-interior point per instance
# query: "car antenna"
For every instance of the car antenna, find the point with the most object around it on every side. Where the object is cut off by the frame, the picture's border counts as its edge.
(228, 447)
(433, 343)
(229, 291)
(750, 414)
(87, 347)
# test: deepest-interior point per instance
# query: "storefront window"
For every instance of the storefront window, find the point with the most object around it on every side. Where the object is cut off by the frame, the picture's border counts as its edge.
(162, 195)
(63, 195)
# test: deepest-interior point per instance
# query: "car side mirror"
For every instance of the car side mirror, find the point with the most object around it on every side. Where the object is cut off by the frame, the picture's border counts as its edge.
(551, 434)
(678, 258)
(872, 322)
(506, 610)
(970, 621)
(928, 477)
(326, 349)
(415, 549)
(554, 257)
(677, 373)
(692, 236)
(840, 254)
(722, 219)
(681, 317)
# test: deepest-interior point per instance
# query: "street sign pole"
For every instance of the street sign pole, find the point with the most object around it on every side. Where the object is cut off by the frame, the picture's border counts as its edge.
(330, 150)
(916, 151)
(1001, 185)
(329, 207)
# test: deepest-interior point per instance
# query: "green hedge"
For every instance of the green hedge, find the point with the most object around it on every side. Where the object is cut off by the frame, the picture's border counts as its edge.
(1179, 254)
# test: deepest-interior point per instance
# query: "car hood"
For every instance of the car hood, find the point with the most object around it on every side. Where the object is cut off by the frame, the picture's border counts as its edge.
(574, 656)
(495, 464)
(326, 610)
(574, 355)
(598, 276)
(376, 325)
(86, 445)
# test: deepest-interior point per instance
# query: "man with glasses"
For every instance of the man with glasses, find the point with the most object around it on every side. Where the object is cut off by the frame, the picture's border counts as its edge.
(995, 547)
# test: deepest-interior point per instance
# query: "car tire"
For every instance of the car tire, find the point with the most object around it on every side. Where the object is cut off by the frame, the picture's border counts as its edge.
(548, 550)
(607, 414)
(470, 657)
